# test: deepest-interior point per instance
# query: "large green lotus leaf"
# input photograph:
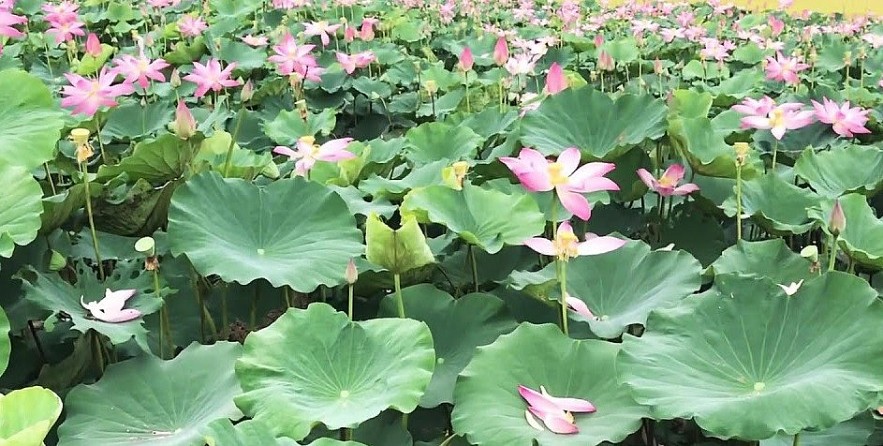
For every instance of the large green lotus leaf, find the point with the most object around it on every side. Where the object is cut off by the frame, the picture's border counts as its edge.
(481, 217)
(592, 122)
(316, 366)
(27, 415)
(288, 125)
(837, 171)
(782, 363)
(797, 141)
(766, 258)
(5, 345)
(489, 410)
(291, 232)
(862, 239)
(457, 326)
(222, 432)
(30, 121)
(148, 401)
(398, 250)
(157, 161)
(52, 293)
(333, 442)
(58, 208)
(20, 207)
(695, 137)
(778, 206)
(434, 141)
(133, 120)
(425, 175)
(854, 432)
(621, 287)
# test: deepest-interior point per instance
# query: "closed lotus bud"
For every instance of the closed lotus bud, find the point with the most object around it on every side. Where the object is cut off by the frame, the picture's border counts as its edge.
(247, 91)
(352, 274)
(605, 62)
(837, 223)
(657, 66)
(175, 79)
(501, 52)
(599, 40)
(466, 59)
(93, 46)
(185, 124)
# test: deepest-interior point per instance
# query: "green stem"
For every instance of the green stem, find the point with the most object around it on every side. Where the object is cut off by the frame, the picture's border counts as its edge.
(561, 269)
(92, 221)
(349, 305)
(738, 202)
(49, 179)
(474, 264)
(448, 440)
(832, 255)
(346, 434)
(468, 107)
(286, 294)
(233, 136)
(775, 153)
(253, 311)
(164, 330)
(796, 441)
(400, 301)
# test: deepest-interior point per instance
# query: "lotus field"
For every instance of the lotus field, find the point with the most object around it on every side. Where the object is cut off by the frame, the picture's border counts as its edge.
(439, 223)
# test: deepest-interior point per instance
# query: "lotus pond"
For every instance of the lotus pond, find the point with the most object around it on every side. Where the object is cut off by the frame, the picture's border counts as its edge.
(499, 223)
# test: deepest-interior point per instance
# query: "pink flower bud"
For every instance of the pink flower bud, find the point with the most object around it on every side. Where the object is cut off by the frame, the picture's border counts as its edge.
(185, 124)
(501, 52)
(466, 60)
(352, 274)
(837, 223)
(93, 46)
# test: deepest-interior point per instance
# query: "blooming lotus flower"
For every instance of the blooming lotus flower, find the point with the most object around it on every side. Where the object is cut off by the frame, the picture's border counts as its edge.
(358, 60)
(537, 174)
(349, 33)
(211, 77)
(293, 58)
(579, 307)
(191, 26)
(845, 120)
(566, 245)
(760, 106)
(779, 119)
(366, 32)
(65, 30)
(784, 68)
(667, 184)
(556, 82)
(140, 69)
(791, 289)
(7, 21)
(501, 52)
(466, 61)
(255, 41)
(875, 40)
(86, 96)
(321, 29)
(110, 309)
(556, 413)
(308, 152)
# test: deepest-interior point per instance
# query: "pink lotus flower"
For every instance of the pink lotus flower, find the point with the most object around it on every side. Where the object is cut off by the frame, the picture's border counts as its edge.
(308, 152)
(501, 52)
(293, 58)
(579, 307)
(556, 82)
(466, 60)
(566, 245)
(556, 413)
(845, 120)
(779, 119)
(64, 28)
(86, 96)
(537, 174)
(7, 21)
(760, 106)
(110, 309)
(367, 31)
(184, 124)
(321, 29)
(255, 41)
(349, 33)
(93, 45)
(191, 26)
(141, 69)
(358, 60)
(784, 68)
(667, 184)
(211, 77)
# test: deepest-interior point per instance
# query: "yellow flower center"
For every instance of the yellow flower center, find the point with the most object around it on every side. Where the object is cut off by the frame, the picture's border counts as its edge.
(666, 181)
(566, 245)
(555, 175)
(777, 118)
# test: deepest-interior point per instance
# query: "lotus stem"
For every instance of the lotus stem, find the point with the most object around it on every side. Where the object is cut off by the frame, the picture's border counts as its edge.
(233, 136)
(738, 201)
(832, 254)
(346, 434)
(92, 221)
(466, 77)
(448, 440)
(164, 330)
(286, 295)
(349, 301)
(796, 441)
(775, 152)
(253, 311)
(49, 179)
(474, 265)
(562, 281)
(400, 300)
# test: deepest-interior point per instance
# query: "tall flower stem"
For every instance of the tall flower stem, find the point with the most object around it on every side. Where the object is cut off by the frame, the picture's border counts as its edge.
(832, 254)
(775, 152)
(165, 333)
(738, 201)
(92, 220)
(474, 264)
(466, 77)
(561, 269)
(233, 136)
(796, 441)
(400, 300)
(349, 301)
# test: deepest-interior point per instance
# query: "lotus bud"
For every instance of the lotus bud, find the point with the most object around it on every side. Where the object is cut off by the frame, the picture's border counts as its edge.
(837, 222)
(352, 274)
(606, 62)
(93, 46)
(247, 91)
(657, 66)
(599, 40)
(847, 58)
(501, 52)
(466, 60)
(175, 79)
(185, 124)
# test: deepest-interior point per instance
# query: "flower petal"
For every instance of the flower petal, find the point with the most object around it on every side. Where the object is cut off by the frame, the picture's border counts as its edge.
(532, 421)
(575, 203)
(647, 178)
(569, 161)
(580, 307)
(541, 245)
(599, 245)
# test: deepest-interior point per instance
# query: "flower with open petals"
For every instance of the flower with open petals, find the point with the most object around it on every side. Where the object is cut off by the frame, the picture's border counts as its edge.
(255, 41)
(321, 29)
(556, 413)
(110, 309)
(563, 175)
(667, 184)
(308, 152)
(784, 69)
(191, 26)
(7, 21)
(845, 120)
(293, 58)
(358, 60)
(86, 96)
(140, 69)
(566, 245)
(780, 119)
(211, 77)
(751, 106)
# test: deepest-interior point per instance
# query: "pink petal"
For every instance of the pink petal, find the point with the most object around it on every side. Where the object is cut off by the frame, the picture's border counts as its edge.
(564, 228)
(569, 161)
(757, 122)
(572, 404)
(599, 245)
(647, 178)
(675, 172)
(579, 307)
(686, 189)
(120, 316)
(282, 150)
(592, 170)
(535, 180)
(593, 185)
(541, 245)
(538, 402)
(575, 203)
(532, 421)
(556, 422)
